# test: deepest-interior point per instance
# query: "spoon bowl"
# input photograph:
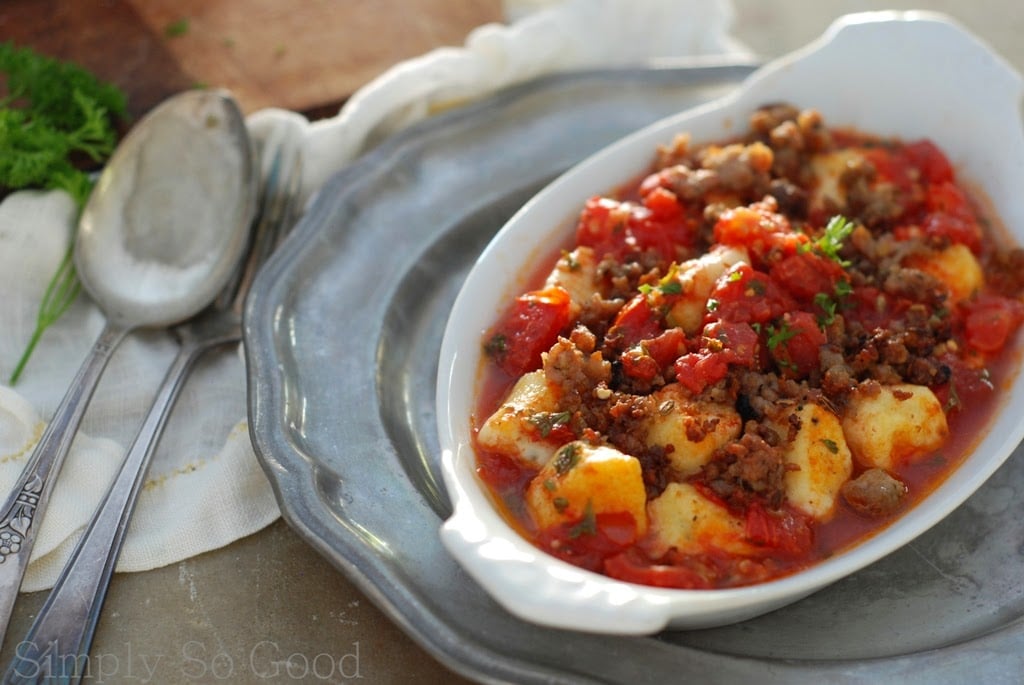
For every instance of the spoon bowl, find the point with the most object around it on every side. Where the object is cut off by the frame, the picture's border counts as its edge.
(169, 217)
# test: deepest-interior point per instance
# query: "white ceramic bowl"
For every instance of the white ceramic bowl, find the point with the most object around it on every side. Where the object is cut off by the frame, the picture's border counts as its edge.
(907, 74)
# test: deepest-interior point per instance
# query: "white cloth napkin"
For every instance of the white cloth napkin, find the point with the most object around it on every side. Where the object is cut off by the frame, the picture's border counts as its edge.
(205, 487)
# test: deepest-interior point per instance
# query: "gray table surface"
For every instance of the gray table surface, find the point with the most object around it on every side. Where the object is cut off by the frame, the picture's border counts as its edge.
(268, 608)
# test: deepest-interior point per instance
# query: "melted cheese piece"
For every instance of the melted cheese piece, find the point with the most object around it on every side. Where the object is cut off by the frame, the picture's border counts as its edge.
(900, 423)
(823, 461)
(581, 478)
(683, 518)
(509, 429)
(697, 278)
(678, 417)
(957, 268)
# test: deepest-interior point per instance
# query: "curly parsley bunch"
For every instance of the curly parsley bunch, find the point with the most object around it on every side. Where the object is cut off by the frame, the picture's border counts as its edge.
(55, 117)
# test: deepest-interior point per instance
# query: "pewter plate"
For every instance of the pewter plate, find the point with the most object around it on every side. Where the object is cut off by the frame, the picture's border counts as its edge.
(342, 336)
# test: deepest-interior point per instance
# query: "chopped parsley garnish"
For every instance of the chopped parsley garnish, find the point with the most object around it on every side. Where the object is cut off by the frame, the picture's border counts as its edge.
(587, 525)
(546, 421)
(671, 288)
(570, 260)
(668, 285)
(779, 335)
(54, 118)
(566, 458)
(176, 28)
(831, 445)
(831, 304)
(829, 244)
(496, 346)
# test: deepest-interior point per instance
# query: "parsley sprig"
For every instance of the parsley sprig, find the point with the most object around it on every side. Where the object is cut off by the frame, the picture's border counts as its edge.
(831, 241)
(55, 117)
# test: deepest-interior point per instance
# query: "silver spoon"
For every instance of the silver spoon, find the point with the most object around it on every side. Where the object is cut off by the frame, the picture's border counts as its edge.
(161, 234)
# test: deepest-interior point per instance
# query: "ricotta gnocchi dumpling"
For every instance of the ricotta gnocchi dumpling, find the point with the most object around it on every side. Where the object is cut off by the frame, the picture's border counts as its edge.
(828, 169)
(893, 424)
(820, 461)
(956, 267)
(697, 278)
(576, 273)
(691, 430)
(516, 428)
(582, 480)
(684, 519)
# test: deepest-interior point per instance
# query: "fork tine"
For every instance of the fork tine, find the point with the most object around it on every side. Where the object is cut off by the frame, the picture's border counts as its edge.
(276, 215)
(279, 211)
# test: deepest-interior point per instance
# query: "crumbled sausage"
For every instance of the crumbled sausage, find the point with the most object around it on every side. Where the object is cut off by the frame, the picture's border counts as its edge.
(874, 493)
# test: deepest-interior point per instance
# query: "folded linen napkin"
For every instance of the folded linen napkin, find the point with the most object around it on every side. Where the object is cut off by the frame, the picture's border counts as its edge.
(205, 487)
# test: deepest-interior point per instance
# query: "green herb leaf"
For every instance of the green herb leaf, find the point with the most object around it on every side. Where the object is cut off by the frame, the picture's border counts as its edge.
(831, 304)
(496, 346)
(566, 458)
(545, 421)
(587, 525)
(176, 28)
(831, 241)
(779, 335)
(668, 285)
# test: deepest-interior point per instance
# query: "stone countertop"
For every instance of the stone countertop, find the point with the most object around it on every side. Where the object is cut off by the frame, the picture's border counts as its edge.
(269, 608)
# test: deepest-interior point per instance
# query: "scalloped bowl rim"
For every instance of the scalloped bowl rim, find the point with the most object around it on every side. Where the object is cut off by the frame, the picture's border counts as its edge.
(878, 49)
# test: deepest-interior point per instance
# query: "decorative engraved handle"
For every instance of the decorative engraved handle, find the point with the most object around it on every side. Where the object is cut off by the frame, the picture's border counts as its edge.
(21, 514)
(59, 639)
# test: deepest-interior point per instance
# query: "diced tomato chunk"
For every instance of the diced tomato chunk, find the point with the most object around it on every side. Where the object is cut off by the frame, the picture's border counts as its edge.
(783, 532)
(667, 347)
(697, 370)
(530, 327)
(804, 275)
(990, 322)
(504, 472)
(632, 567)
(636, 321)
(649, 358)
(929, 160)
(746, 295)
(739, 341)
(760, 229)
(797, 344)
(950, 216)
(591, 540)
(663, 204)
(618, 228)
(726, 343)
(967, 386)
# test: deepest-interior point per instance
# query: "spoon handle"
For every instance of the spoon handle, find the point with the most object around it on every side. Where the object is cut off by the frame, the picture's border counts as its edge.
(22, 513)
(53, 648)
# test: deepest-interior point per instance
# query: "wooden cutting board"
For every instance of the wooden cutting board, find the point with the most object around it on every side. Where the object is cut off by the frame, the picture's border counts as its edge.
(307, 56)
